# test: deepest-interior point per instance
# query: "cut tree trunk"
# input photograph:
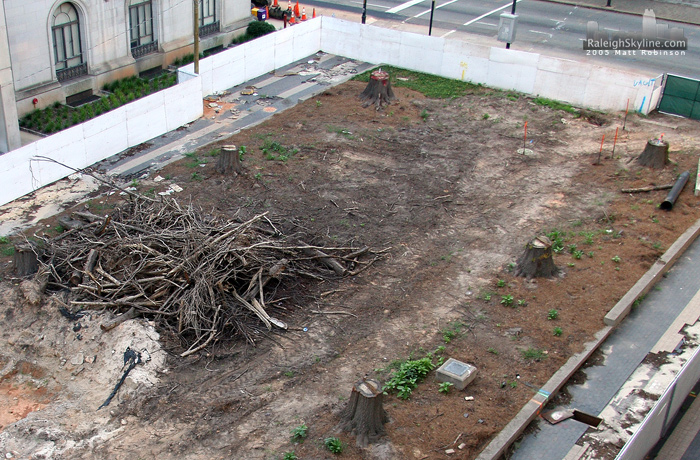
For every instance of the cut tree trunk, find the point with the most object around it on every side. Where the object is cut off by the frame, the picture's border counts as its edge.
(537, 261)
(25, 259)
(378, 90)
(365, 415)
(655, 154)
(229, 161)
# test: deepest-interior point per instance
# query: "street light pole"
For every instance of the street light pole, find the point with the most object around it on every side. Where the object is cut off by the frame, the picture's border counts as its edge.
(364, 11)
(432, 10)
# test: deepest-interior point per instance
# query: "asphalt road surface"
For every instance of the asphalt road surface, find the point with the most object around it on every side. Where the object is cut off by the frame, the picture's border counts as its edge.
(542, 27)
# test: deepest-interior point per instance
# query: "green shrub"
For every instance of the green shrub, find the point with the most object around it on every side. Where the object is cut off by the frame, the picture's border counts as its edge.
(259, 28)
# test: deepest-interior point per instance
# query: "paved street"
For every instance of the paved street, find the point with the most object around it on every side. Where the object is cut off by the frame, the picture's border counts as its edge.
(548, 26)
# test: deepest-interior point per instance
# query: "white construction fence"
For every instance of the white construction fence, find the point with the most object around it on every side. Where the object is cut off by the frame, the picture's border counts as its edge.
(577, 83)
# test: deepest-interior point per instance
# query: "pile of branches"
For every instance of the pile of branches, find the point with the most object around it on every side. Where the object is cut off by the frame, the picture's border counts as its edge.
(198, 275)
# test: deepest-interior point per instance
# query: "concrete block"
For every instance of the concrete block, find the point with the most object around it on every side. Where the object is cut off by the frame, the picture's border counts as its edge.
(457, 373)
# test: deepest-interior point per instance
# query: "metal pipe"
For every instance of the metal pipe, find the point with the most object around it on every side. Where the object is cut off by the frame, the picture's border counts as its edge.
(667, 204)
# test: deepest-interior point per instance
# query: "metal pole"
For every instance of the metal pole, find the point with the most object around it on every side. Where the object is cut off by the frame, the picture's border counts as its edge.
(512, 11)
(609, 3)
(196, 36)
(432, 10)
(364, 11)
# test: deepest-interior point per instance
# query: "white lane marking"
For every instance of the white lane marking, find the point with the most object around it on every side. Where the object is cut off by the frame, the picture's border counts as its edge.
(370, 4)
(543, 33)
(403, 6)
(490, 13)
(487, 24)
(447, 33)
(439, 6)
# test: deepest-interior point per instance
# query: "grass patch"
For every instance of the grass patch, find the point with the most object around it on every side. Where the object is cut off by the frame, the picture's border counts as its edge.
(556, 105)
(274, 151)
(533, 354)
(430, 85)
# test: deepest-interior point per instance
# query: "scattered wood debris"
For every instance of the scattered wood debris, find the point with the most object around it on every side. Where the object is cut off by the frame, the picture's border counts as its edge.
(198, 275)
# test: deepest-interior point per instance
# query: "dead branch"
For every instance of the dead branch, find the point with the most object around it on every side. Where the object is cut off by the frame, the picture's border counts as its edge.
(201, 276)
(651, 188)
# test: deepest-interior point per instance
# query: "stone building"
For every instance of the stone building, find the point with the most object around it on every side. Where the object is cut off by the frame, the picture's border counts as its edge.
(57, 50)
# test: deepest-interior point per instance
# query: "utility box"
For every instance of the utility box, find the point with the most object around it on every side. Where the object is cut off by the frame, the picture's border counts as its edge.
(506, 27)
(457, 373)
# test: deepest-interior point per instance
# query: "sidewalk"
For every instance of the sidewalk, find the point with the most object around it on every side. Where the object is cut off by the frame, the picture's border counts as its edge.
(269, 94)
(679, 12)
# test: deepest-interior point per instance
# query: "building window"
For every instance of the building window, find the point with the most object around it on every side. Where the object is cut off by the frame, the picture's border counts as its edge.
(141, 28)
(208, 23)
(68, 53)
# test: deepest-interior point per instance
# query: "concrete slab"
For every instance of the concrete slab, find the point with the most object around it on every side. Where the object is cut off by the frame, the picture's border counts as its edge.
(457, 373)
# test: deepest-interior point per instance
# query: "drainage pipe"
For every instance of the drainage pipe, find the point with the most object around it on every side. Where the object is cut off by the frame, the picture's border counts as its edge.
(672, 196)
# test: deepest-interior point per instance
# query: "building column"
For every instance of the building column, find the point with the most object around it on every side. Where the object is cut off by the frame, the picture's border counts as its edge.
(9, 126)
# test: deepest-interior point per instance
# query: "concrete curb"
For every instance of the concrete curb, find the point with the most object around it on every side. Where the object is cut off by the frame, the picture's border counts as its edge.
(533, 408)
(652, 276)
(618, 10)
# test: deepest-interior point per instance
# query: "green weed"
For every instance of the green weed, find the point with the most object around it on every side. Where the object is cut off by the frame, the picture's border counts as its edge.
(299, 433)
(406, 377)
(557, 331)
(445, 387)
(552, 314)
(334, 445)
(507, 300)
(533, 354)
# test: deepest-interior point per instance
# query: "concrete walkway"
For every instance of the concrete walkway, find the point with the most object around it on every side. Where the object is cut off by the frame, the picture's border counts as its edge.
(272, 93)
(623, 352)
(678, 12)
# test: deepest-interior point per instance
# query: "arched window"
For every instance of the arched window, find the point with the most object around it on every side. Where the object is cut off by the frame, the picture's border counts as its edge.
(141, 32)
(68, 52)
(208, 22)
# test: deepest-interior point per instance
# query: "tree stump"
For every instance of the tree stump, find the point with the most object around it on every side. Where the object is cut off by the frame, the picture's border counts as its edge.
(655, 154)
(229, 160)
(365, 415)
(25, 259)
(378, 90)
(537, 260)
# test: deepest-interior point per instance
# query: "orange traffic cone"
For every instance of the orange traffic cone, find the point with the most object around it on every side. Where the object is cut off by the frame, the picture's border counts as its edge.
(292, 20)
(275, 4)
(303, 14)
(289, 5)
(296, 8)
(314, 14)
(267, 13)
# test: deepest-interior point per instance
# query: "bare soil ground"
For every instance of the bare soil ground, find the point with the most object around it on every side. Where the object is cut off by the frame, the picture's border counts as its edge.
(441, 185)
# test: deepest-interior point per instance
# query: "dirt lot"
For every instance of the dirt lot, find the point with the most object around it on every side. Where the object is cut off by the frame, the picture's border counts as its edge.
(440, 184)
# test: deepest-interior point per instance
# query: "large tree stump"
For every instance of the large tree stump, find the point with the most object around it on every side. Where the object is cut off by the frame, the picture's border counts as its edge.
(364, 415)
(537, 261)
(378, 90)
(229, 160)
(25, 259)
(655, 154)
